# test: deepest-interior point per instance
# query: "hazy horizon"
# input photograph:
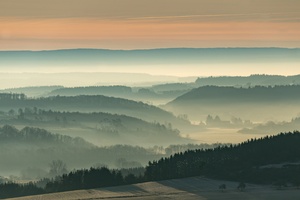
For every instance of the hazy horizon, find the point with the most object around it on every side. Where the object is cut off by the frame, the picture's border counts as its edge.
(178, 62)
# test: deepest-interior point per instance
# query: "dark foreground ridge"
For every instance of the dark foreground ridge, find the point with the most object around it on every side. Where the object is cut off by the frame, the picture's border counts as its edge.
(268, 160)
(194, 188)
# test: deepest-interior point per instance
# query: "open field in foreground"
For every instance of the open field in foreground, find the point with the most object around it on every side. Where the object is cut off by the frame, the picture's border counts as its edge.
(188, 189)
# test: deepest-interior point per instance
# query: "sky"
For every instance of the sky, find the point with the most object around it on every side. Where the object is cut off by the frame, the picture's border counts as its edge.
(146, 24)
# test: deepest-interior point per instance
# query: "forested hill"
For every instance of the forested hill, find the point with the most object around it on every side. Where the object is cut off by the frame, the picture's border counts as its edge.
(85, 103)
(257, 103)
(251, 161)
(30, 150)
(148, 94)
(270, 160)
(97, 128)
(242, 95)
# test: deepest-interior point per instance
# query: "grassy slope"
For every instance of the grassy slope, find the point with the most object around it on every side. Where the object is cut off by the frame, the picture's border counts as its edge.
(195, 188)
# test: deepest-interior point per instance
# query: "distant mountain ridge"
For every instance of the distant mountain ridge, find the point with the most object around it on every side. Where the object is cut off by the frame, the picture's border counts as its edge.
(145, 67)
(149, 56)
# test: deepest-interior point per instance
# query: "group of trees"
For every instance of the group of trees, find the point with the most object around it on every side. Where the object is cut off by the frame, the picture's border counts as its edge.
(10, 189)
(12, 96)
(272, 127)
(218, 122)
(175, 149)
(77, 179)
(90, 178)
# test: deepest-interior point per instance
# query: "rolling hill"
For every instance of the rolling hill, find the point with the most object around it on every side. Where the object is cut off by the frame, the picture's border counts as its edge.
(272, 161)
(37, 91)
(144, 94)
(93, 103)
(195, 188)
(101, 129)
(256, 103)
(33, 149)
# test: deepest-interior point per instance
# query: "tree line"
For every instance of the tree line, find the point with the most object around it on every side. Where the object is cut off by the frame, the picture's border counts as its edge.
(241, 162)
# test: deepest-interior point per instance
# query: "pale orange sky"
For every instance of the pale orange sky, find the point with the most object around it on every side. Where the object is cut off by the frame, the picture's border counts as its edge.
(135, 24)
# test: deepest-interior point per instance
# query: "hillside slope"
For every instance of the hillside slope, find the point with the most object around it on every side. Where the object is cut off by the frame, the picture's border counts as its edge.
(196, 188)
(257, 103)
(85, 103)
(33, 149)
(101, 129)
(242, 162)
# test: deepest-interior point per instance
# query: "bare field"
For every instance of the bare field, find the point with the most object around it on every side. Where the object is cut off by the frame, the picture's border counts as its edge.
(196, 188)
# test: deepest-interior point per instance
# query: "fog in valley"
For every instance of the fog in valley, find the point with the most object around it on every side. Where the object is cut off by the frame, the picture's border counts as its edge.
(54, 122)
(124, 127)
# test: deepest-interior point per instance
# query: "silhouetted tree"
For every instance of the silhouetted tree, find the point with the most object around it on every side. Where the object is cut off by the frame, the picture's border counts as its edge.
(57, 168)
(222, 187)
(241, 186)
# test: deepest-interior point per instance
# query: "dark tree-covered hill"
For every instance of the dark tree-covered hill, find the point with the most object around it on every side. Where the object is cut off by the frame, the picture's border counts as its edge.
(269, 160)
(255, 160)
